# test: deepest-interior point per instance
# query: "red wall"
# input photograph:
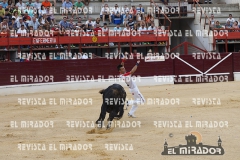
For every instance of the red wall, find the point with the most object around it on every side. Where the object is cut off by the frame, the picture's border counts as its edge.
(95, 67)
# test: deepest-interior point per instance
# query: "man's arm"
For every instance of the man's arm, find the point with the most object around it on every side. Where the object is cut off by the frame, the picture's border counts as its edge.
(123, 60)
(134, 68)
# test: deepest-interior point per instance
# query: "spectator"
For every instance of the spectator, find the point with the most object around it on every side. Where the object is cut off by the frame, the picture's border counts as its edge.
(2, 13)
(149, 19)
(115, 12)
(117, 28)
(89, 30)
(98, 29)
(152, 27)
(50, 16)
(7, 14)
(4, 4)
(26, 17)
(105, 12)
(125, 11)
(46, 4)
(74, 27)
(89, 21)
(16, 16)
(126, 19)
(4, 24)
(127, 28)
(30, 3)
(135, 27)
(17, 10)
(22, 31)
(67, 7)
(35, 16)
(34, 23)
(218, 26)
(4, 33)
(20, 23)
(140, 11)
(13, 24)
(29, 10)
(21, 6)
(131, 23)
(42, 11)
(70, 23)
(212, 22)
(10, 3)
(37, 5)
(79, 22)
(142, 28)
(80, 6)
(44, 22)
(97, 21)
(228, 26)
(105, 28)
(133, 13)
(230, 19)
(235, 26)
(63, 23)
(11, 7)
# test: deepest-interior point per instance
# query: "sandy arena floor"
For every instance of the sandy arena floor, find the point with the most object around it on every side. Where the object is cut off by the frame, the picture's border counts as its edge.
(145, 141)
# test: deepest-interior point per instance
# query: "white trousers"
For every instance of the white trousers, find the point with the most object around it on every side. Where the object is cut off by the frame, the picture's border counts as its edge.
(137, 100)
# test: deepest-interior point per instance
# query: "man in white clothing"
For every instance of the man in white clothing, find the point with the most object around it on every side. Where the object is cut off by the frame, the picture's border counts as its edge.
(127, 77)
(232, 20)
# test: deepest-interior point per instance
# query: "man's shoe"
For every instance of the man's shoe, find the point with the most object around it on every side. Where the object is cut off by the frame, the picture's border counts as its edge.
(131, 116)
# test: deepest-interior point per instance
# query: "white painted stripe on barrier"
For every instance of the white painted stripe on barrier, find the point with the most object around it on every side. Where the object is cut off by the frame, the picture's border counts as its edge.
(68, 86)
(218, 63)
(190, 75)
(188, 64)
(209, 74)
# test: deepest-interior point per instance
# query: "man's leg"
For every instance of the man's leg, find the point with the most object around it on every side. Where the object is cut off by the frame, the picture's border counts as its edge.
(138, 99)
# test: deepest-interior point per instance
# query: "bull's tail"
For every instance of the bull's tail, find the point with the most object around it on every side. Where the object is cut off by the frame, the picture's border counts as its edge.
(101, 91)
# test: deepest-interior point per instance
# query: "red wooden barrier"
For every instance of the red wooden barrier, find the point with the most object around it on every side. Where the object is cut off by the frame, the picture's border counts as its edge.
(61, 69)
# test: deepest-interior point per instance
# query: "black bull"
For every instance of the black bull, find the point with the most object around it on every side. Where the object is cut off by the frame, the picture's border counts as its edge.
(113, 102)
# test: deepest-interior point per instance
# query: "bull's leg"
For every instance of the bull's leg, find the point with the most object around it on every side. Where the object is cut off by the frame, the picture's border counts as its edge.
(102, 115)
(121, 112)
(111, 117)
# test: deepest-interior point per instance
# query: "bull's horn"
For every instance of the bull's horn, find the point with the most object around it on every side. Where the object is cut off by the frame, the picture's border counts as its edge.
(101, 91)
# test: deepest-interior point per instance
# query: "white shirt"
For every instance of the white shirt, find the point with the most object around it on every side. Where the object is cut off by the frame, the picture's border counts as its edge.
(125, 10)
(115, 10)
(92, 23)
(21, 6)
(22, 32)
(43, 21)
(37, 5)
(125, 29)
(142, 29)
(105, 9)
(105, 29)
(151, 29)
(128, 80)
(41, 12)
(232, 20)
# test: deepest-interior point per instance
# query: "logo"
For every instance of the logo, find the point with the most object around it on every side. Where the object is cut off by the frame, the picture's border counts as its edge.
(94, 39)
(194, 146)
